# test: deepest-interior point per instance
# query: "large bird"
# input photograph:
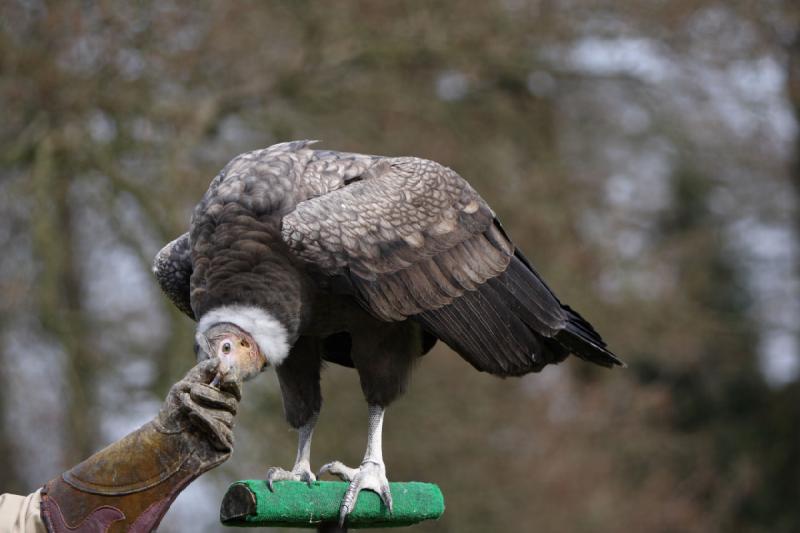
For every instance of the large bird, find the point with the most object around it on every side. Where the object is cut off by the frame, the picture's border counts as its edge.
(311, 255)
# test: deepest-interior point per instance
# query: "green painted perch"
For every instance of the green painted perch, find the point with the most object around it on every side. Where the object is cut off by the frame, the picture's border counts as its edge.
(250, 503)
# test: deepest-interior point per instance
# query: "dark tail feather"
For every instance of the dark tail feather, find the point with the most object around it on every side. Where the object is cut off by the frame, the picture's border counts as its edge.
(578, 336)
(483, 329)
(582, 340)
(513, 324)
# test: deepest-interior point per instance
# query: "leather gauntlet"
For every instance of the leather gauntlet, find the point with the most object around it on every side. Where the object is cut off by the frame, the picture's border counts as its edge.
(129, 485)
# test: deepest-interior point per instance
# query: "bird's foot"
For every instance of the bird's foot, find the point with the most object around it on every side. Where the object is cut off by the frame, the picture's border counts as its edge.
(300, 472)
(371, 475)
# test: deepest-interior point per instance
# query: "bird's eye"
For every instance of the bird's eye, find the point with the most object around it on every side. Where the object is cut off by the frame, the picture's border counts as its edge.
(226, 347)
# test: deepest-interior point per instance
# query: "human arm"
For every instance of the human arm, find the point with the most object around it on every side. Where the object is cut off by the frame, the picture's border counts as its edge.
(130, 485)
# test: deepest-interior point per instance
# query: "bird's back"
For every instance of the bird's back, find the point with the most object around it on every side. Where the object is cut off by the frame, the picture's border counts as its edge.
(237, 253)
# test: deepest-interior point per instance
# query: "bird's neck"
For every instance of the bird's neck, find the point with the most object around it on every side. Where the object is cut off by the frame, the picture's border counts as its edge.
(241, 260)
(271, 287)
(264, 327)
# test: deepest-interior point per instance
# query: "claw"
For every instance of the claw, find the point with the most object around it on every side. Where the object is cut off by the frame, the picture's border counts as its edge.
(300, 472)
(271, 473)
(308, 477)
(386, 497)
(339, 469)
(370, 475)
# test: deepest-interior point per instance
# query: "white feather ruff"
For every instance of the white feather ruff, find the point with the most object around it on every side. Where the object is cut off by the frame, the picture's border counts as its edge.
(265, 329)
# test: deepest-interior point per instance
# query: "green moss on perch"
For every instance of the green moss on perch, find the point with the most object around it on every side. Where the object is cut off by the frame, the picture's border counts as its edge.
(250, 503)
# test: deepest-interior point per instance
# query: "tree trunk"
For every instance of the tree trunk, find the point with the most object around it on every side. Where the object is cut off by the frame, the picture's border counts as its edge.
(60, 296)
(793, 91)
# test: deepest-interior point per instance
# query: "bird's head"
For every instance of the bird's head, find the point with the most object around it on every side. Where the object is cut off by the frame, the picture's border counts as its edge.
(247, 337)
(236, 349)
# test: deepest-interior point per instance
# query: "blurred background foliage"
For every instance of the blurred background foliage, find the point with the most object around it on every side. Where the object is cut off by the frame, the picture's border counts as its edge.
(644, 154)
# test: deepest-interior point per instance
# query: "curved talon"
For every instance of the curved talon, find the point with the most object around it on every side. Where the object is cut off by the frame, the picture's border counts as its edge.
(371, 475)
(299, 473)
(386, 497)
(343, 512)
(308, 477)
(275, 474)
(339, 469)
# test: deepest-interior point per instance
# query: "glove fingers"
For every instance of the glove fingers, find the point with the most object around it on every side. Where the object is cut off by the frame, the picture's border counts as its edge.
(203, 372)
(217, 428)
(208, 396)
(207, 415)
(207, 410)
(232, 386)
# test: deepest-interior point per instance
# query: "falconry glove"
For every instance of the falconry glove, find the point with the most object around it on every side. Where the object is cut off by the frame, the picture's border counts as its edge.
(129, 485)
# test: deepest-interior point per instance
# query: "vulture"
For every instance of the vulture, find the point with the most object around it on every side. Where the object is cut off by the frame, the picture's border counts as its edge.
(305, 256)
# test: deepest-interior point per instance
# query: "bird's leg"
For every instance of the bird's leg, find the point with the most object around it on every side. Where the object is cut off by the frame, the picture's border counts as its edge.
(371, 475)
(301, 471)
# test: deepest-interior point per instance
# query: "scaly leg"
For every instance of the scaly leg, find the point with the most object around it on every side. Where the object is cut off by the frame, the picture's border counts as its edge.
(302, 464)
(371, 475)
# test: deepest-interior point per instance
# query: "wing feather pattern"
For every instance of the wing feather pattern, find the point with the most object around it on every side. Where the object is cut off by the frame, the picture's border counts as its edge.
(416, 241)
(172, 267)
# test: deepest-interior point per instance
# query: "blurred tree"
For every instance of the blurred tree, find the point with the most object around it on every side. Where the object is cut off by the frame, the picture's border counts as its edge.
(632, 149)
(61, 295)
(12, 480)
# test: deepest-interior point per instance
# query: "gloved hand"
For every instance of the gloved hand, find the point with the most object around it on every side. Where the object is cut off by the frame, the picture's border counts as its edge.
(129, 485)
(202, 411)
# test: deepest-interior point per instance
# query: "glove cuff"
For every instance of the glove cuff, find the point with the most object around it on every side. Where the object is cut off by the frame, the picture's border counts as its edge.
(126, 487)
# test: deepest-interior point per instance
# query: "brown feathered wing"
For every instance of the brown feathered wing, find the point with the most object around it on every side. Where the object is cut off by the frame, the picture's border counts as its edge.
(416, 241)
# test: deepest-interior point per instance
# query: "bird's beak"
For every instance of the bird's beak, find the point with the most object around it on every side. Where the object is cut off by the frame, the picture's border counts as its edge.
(227, 374)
